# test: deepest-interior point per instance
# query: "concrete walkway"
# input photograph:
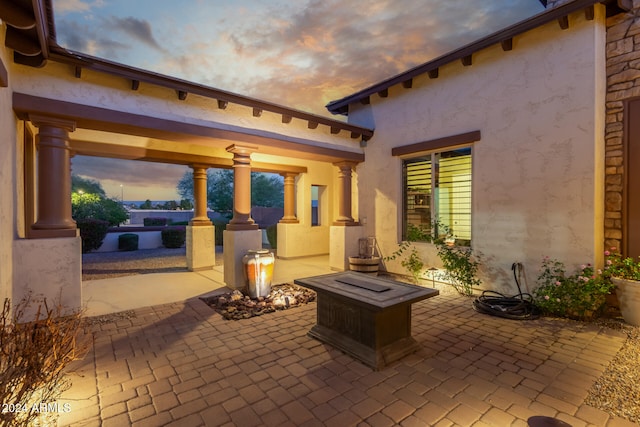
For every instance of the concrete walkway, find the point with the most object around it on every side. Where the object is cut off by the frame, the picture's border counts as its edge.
(182, 364)
(106, 296)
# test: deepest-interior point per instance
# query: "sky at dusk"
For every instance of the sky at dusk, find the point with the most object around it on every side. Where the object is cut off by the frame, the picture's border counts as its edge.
(302, 54)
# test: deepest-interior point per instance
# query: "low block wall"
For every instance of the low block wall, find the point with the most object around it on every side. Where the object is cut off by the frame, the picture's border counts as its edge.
(148, 238)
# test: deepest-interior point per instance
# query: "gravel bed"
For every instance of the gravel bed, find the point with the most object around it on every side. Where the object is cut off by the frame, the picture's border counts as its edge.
(236, 306)
(104, 265)
(616, 392)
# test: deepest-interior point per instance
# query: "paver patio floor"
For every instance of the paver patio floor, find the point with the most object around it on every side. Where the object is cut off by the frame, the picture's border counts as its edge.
(182, 364)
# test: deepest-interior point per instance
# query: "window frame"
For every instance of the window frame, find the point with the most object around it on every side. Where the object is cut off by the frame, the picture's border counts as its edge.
(430, 148)
(432, 172)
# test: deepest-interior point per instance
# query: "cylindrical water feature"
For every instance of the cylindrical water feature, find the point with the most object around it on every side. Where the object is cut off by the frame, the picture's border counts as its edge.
(258, 268)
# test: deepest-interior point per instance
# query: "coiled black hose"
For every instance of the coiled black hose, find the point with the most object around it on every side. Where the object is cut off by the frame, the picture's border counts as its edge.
(517, 307)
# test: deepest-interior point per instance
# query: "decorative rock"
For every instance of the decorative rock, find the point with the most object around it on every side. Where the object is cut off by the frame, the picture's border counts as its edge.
(235, 306)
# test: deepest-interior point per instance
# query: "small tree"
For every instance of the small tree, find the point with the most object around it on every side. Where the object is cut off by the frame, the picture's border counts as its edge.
(87, 186)
(267, 190)
(92, 206)
(146, 205)
(186, 204)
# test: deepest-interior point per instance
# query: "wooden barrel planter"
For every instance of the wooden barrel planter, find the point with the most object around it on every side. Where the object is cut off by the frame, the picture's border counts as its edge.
(367, 265)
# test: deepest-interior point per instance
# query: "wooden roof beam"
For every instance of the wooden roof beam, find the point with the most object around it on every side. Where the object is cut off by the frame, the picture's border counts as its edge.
(467, 60)
(335, 130)
(384, 93)
(286, 118)
(182, 94)
(433, 74)
(312, 125)
(589, 13)
(257, 112)
(18, 41)
(563, 21)
(4, 75)
(16, 16)
(223, 104)
(77, 72)
(407, 84)
(365, 101)
(135, 84)
(507, 44)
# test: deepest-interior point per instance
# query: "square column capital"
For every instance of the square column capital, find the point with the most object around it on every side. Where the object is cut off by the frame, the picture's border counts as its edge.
(40, 120)
(242, 149)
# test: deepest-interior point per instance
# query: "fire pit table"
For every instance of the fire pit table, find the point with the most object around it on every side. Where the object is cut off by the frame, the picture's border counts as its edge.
(366, 317)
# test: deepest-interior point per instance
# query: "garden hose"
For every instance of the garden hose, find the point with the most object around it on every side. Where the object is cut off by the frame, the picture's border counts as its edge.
(517, 307)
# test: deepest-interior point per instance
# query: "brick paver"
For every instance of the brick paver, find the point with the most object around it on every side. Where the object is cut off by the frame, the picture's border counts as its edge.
(182, 364)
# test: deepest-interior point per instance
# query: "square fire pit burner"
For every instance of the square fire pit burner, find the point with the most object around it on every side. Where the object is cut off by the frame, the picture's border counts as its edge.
(367, 317)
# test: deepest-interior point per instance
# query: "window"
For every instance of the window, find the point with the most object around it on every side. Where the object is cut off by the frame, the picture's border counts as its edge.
(437, 186)
(315, 205)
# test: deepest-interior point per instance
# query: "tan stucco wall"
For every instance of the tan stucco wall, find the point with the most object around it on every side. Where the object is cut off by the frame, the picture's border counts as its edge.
(7, 176)
(537, 171)
(303, 239)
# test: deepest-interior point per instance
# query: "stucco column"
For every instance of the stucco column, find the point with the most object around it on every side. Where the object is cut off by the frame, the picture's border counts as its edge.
(200, 217)
(54, 176)
(241, 188)
(344, 194)
(289, 198)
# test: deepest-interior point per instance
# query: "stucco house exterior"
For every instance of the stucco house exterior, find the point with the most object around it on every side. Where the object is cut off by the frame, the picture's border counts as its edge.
(506, 137)
(504, 141)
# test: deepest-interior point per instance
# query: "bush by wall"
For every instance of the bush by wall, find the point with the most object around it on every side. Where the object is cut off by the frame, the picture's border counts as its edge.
(155, 221)
(272, 236)
(92, 232)
(174, 237)
(128, 242)
(220, 226)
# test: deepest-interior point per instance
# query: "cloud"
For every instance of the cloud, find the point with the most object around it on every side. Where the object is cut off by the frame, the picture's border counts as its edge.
(131, 171)
(136, 180)
(86, 38)
(330, 48)
(68, 6)
(139, 29)
(298, 54)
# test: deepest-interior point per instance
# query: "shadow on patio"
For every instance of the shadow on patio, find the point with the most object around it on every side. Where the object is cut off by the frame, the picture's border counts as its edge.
(182, 364)
(120, 292)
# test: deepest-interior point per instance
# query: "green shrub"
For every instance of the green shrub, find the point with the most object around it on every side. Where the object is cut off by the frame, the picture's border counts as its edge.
(581, 295)
(92, 232)
(128, 242)
(155, 222)
(220, 226)
(85, 206)
(174, 237)
(272, 236)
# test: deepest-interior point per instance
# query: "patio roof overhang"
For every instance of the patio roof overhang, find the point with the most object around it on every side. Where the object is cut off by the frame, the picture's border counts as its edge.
(214, 136)
(465, 53)
(31, 34)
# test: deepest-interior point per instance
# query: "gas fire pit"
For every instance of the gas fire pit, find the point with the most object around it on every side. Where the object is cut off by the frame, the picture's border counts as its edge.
(367, 317)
